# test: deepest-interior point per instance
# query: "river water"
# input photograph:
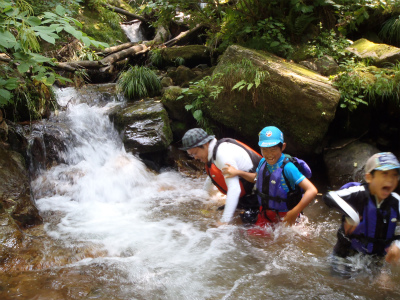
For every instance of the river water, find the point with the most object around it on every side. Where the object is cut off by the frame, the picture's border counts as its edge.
(136, 234)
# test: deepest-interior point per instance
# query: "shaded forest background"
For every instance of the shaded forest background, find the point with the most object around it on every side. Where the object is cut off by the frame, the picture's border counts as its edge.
(36, 38)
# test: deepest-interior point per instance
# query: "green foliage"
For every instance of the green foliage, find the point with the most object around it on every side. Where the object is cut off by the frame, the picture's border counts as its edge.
(71, 6)
(359, 83)
(391, 31)
(138, 82)
(21, 36)
(268, 34)
(105, 14)
(243, 76)
(85, 53)
(179, 61)
(328, 42)
(201, 91)
(156, 57)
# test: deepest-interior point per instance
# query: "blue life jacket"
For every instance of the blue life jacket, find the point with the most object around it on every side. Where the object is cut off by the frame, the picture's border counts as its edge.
(376, 230)
(270, 192)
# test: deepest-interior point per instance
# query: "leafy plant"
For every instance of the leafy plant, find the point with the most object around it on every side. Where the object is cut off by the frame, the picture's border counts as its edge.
(359, 83)
(156, 58)
(138, 82)
(391, 30)
(243, 76)
(199, 92)
(328, 42)
(85, 53)
(179, 61)
(21, 35)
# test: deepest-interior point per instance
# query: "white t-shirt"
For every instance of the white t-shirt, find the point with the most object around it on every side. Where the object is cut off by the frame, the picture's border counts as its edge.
(238, 158)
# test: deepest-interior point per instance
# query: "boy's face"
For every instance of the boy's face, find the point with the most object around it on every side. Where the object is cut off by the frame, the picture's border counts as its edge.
(382, 183)
(272, 154)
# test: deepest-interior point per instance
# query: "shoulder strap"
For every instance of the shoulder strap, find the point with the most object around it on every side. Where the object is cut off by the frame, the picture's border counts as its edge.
(286, 160)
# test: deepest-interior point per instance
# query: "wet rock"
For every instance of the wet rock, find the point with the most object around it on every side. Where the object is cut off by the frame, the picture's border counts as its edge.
(144, 126)
(15, 193)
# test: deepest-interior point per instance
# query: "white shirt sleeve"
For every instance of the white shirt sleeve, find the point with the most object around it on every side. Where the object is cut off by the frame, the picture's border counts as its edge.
(237, 157)
(208, 184)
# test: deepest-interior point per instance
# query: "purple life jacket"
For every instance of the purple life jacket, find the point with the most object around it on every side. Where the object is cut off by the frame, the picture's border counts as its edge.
(270, 192)
(377, 227)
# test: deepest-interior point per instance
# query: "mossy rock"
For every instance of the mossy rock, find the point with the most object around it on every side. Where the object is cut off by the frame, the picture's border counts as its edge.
(299, 101)
(192, 55)
(378, 54)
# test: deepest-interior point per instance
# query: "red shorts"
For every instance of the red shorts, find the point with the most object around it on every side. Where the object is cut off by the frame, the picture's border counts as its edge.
(267, 217)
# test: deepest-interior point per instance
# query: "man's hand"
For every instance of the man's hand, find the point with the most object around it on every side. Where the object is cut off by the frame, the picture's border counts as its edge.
(219, 223)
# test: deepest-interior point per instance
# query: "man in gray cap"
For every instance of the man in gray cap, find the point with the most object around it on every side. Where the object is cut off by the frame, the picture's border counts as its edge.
(220, 154)
(371, 220)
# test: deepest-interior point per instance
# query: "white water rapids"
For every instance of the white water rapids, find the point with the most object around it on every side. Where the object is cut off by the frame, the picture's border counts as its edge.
(158, 236)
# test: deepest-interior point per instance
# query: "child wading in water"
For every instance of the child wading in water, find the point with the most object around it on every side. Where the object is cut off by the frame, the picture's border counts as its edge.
(371, 211)
(282, 190)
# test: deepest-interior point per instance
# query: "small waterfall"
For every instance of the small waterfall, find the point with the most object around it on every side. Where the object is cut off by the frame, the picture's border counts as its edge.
(133, 31)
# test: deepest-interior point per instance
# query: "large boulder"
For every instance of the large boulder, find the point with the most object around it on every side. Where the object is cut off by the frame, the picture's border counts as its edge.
(299, 101)
(378, 54)
(345, 161)
(144, 126)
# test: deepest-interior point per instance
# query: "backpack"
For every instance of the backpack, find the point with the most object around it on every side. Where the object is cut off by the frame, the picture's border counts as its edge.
(294, 195)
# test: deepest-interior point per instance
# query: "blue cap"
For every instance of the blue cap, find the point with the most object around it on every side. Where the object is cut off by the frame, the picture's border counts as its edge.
(270, 136)
(382, 162)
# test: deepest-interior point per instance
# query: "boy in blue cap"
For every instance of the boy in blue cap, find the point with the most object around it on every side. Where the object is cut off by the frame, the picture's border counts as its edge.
(371, 211)
(276, 180)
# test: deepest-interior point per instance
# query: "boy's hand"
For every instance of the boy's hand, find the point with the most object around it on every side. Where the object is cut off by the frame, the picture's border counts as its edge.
(349, 225)
(393, 254)
(290, 217)
(229, 171)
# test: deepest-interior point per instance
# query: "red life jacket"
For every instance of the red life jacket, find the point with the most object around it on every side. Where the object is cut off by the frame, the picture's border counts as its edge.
(218, 178)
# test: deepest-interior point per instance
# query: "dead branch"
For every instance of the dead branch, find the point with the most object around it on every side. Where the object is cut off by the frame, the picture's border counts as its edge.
(125, 12)
(184, 35)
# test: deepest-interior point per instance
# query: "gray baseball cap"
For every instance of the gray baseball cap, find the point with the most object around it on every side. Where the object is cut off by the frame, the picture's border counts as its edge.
(382, 162)
(195, 137)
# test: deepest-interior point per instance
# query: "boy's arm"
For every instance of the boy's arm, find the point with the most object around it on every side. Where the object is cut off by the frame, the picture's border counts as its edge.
(340, 201)
(310, 192)
(230, 171)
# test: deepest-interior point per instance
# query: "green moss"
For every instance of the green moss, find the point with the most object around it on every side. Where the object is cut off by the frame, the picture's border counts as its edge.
(100, 31)
(171, 94)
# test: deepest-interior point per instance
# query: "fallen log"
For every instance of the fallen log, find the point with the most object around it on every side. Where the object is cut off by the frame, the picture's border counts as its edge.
(184, 35)
(114, 49)
(134, 50)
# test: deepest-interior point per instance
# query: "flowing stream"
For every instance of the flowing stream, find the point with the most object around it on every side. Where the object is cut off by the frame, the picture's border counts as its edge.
(136, 234)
